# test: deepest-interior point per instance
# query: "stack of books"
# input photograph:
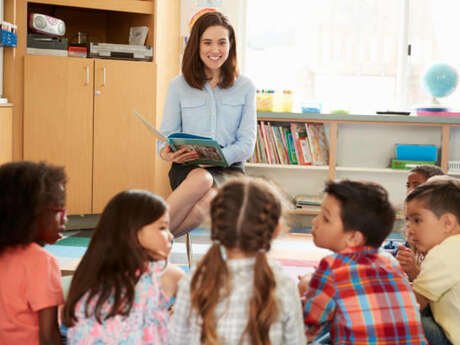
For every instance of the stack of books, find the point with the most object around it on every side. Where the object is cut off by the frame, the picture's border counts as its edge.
(409, 156)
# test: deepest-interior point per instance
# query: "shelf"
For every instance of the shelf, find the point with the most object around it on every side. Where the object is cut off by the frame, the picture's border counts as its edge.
(130, 6)
(372, 119)
(287, 166)
(305, 211)
(325, 167)
(373, 170)
(453, 172)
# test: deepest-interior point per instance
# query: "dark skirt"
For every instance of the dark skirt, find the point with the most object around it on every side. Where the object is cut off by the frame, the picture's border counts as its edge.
(179, 172)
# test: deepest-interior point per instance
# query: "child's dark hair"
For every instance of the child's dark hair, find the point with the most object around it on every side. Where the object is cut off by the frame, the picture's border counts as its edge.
(364, 206)
(26, 190)
(193, 68)
(114, 261)
(244, 215)
(440, 195)
(427, 170)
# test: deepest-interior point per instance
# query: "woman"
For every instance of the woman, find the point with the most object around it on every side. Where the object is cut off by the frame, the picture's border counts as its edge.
(209, 99)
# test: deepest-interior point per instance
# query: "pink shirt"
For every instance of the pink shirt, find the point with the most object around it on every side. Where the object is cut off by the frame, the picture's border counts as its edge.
(30, 281)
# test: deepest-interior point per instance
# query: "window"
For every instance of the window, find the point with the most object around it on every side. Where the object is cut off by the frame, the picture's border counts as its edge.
(345, 53)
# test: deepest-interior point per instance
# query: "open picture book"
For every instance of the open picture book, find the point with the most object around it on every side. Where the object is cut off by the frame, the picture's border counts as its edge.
(209, 150)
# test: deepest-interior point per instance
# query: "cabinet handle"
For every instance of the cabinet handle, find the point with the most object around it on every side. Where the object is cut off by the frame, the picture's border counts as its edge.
(104, 76)
(87, 76)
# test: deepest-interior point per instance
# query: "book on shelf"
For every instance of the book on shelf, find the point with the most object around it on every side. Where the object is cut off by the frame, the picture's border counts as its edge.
(408, 164)
(209, 150)
(307, 201)
(301, 144)
(317, 139)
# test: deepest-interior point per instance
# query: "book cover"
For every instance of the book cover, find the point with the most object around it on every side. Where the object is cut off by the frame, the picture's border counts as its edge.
(301, 145)
(408, 164)
(318, 143)
(209, 150)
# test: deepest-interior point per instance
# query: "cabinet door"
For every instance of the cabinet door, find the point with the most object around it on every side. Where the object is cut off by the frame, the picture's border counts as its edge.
(58, 121)
(124, 151)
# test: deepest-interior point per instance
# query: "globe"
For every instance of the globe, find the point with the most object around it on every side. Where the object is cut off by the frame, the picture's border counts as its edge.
(440, 79)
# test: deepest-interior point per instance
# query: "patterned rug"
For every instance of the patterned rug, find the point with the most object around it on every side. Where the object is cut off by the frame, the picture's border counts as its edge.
(295, 251)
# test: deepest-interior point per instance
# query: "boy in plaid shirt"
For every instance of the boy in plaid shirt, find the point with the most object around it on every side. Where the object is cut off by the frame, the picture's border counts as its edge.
(359, 294)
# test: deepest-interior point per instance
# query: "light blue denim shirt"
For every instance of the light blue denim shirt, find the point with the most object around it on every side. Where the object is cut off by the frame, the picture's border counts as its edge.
(226, 115)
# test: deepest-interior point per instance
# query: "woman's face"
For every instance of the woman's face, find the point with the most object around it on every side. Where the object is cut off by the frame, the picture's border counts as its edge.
(214, 48)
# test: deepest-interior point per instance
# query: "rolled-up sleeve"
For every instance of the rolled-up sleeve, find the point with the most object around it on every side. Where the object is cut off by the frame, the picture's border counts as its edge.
(246, 135)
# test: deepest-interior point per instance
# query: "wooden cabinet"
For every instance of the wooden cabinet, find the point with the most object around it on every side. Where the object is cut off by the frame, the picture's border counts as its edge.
(58, 121)
(361, 147)
(79, 114)
(6, 130)
(124, 151)
(57, 115)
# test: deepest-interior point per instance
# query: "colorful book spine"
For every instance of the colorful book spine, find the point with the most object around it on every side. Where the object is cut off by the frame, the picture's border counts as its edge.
(317, 139)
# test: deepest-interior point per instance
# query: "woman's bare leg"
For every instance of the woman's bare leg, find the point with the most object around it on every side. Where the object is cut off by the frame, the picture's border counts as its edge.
(183, 199)
(197, 214)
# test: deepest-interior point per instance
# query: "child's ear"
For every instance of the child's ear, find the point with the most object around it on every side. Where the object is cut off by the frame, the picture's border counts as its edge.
(355, 238)
(449, 223)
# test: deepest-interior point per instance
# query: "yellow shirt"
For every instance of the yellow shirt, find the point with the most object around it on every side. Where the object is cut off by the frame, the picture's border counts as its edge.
(439, 281)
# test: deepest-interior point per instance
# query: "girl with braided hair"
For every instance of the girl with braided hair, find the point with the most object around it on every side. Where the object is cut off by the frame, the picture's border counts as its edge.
(236, 296)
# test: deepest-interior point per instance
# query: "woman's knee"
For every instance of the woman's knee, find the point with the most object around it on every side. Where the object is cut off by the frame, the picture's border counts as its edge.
(201, 179)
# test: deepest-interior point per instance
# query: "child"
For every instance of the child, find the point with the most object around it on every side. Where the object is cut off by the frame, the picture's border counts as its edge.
(408, 256)
(420, 174)
(359, 294)
(32, 201)
(236, 296)
(433, 221)
(120, 292)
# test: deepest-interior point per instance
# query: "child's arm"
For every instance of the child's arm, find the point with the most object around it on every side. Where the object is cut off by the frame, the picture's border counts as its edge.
(421, 300)
(48, 327)
(169, 280)
(320, 306)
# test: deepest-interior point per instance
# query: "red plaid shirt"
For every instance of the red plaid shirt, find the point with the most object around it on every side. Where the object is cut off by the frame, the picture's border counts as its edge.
(363, 297)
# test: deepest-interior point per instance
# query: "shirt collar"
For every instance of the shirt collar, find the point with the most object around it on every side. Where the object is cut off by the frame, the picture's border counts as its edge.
(360, 249)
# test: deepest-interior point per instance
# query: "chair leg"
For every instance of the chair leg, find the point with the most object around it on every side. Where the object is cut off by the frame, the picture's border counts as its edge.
(188, 245)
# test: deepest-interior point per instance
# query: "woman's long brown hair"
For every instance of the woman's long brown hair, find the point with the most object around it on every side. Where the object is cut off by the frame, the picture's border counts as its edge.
(193, 68)
(244, 215)
(114, 260)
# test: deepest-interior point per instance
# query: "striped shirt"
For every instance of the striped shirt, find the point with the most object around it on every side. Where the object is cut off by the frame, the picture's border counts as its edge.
(362, 296)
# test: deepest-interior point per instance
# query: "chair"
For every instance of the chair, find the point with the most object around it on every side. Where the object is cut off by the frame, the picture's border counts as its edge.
(188, 246)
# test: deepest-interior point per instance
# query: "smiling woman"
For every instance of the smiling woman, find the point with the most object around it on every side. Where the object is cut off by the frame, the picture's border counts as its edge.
(209, 99)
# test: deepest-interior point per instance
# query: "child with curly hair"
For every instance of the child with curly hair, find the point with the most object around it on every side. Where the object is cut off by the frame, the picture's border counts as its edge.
(32, 201)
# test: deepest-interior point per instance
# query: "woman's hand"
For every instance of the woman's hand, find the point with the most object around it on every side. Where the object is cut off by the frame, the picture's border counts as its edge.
(408, 262)
(183, 155)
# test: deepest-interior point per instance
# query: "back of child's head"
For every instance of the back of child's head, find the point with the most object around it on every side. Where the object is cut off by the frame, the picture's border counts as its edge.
(440, 195)
(427, 170)
(114, 259)
(364, 206)
(26, 190)
(244, 216)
